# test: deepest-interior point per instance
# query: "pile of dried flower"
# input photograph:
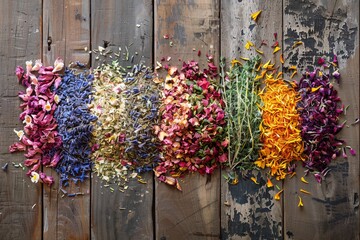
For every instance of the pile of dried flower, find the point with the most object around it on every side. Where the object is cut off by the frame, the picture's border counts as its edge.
(141, 114)
(320, 111)
(74, 126)
(280, 128)
(192, 123)
(40, 138)
(240, 93)
(126, 103)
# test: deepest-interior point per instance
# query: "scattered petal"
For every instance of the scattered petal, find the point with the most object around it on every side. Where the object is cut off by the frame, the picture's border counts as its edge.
(321, 61)
(293, 74)
(258, 51)
(276, 49)
(254, 180)
(297, 44)
(248, 45)
(304, 180)
(304, 191)
(58, 65)
(35, 177)
(300, 204)
(255, 15)
(278, 194)
(282, 59)
(20, 134)
(234, 62)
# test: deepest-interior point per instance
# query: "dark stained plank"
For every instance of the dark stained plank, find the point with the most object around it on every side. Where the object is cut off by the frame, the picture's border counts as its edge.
(190, 214)
(190, 26)
(332, 209)
(249, 211)
(67, 24)
(128, 215)
(20, 199)
(193, 213)
(122, 215)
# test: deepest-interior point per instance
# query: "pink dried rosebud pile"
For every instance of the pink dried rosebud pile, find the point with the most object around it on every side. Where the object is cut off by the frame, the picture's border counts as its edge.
(39, 138)
(192, 121)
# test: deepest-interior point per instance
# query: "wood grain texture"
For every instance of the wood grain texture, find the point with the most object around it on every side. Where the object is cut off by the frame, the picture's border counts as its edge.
(190, 214)
(332, 209)
(249, 211)
(19, 36)
(66, 30)
(120, 24)
(127, 215)
(190, 26)
(122, 215)
(67, 24)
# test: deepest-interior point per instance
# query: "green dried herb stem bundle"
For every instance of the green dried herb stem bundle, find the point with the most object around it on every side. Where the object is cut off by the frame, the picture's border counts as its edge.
(240, 93)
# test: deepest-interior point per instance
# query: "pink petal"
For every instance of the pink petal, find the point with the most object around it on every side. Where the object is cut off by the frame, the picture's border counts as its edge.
(18, 146)
(31, 161)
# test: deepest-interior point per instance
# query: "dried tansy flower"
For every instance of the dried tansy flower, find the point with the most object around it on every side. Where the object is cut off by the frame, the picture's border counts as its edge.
(280, 128)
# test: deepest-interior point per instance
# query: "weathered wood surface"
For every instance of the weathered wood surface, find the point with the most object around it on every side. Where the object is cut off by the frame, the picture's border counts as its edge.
(123, 24)
(326, 28)
(249, 211)
(190, 27)
(66, 32)
(155, 210)
(20, 34)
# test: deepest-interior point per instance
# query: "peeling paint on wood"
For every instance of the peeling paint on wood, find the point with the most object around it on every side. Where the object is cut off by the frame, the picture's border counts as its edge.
(189, 25)
(249, 211)
(208, 208)
(326, 28)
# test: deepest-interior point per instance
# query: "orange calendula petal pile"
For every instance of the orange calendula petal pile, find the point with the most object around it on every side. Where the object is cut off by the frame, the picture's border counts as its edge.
(280, 133)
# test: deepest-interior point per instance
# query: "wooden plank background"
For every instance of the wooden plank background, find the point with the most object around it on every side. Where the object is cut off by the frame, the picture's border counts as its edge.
(208, 208)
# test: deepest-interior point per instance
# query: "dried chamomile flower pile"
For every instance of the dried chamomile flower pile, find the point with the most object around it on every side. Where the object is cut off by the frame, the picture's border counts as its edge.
(126, 102)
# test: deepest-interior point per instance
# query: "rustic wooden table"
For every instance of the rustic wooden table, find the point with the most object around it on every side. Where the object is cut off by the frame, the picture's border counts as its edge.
(47, 29)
